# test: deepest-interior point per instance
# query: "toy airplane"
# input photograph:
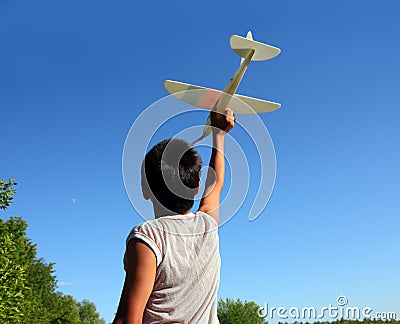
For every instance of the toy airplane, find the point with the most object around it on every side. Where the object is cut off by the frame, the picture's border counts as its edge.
(249, 50)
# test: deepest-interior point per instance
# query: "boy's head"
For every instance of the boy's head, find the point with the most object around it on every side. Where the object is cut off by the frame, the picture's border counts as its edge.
(171, 175)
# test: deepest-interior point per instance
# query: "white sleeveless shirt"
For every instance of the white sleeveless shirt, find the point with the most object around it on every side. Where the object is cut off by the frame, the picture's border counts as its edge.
(188, 268)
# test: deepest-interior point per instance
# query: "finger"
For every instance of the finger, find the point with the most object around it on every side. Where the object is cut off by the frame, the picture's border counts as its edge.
(230, 116)
(229, 127)
(229, 112)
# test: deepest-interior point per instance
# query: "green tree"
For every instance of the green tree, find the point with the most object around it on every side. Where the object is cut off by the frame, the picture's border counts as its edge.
(28, 284)
(13, 283)
(88, 313)
(6, 193)
(64, 309)
(34, 289)
(237, 312)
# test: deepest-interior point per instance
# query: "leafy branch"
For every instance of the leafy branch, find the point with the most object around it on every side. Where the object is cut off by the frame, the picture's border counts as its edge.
(7, 193)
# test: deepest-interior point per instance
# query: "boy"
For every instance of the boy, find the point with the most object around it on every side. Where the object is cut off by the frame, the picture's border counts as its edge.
(172, 263)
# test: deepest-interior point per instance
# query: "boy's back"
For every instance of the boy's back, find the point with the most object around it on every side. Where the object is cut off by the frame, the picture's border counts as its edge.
(172, 263)
(188, 263)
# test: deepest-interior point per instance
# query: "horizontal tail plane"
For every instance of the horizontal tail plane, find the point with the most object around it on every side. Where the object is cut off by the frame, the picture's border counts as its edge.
(241, 46)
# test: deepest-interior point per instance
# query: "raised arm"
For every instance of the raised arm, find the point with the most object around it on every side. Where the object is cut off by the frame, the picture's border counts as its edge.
(221, 123)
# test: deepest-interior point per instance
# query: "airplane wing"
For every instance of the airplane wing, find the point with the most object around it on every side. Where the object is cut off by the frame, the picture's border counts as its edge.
(206, 98)
(258, 106)
(194, 95)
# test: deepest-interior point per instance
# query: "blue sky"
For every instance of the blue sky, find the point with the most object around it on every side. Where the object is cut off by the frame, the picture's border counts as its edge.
(75, 75)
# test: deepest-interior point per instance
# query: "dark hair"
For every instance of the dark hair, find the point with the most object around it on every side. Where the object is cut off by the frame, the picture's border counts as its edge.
(172, 173)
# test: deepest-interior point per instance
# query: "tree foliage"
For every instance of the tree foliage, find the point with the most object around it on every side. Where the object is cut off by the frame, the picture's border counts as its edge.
(88, 313)
(28, 284)
(6, 193)
(13, 283)
(238, 312)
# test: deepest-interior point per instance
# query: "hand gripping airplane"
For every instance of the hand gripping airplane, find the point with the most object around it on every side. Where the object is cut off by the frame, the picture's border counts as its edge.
(212, 99)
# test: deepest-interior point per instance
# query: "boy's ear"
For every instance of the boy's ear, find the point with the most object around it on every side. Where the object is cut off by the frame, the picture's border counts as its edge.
(197, 189)
(145, 192)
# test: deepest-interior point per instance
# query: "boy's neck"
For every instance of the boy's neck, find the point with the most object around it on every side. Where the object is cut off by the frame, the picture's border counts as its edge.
(160, 211)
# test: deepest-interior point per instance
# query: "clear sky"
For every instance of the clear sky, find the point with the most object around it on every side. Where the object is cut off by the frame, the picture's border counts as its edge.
(74, 76)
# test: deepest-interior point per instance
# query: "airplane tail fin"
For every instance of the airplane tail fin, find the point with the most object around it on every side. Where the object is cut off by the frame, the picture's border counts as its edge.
(248, 36)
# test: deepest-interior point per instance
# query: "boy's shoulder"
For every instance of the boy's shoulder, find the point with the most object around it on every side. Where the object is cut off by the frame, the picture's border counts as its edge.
(175, 224)
(208, 218)
(189, 220)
